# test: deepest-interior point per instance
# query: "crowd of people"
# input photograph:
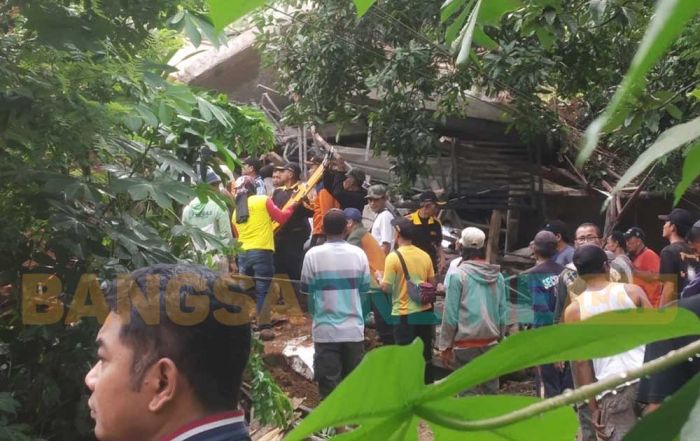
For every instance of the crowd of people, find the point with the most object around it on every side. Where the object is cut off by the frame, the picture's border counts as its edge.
(354, 258)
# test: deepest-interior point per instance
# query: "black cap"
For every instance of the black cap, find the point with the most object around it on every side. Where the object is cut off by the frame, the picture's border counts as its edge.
(404, 226)
(694, 233)
(557, 227)
(635, 232)
(430, 196)
(678, 217)
(291, 166)
(255, 163)
(589, 259)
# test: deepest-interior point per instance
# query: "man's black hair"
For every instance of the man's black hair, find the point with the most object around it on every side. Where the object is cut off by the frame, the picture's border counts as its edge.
(469, 253)
(682, 230)
(334, 222)
(546, 250)
(619, 238)
(590, 259)
(210, 355)
(598, 231)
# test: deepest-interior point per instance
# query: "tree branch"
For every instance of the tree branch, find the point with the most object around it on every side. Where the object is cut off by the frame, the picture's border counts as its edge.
(567, 398)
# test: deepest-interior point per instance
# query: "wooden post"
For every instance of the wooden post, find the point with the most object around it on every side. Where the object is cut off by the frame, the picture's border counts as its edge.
(494, 235)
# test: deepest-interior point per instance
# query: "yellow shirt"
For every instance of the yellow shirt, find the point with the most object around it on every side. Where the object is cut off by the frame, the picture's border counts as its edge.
(420, 269)
(256, 233)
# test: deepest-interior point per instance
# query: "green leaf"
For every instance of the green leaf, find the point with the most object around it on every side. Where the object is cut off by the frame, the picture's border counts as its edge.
(556, 425)
(545, 37)
(467, 35)
(670, 140)
(7, 403)
(674, 111)
(149, 118)
(367, 393)
(208, 30)
(599, 336)
(695, 94)
(491, 11)
(225, 12)
(667, 23)
(449, 8)
(400, 427)
(691, 171)
(677, 418)
(208, 110)
(363, 6)
(453, 30)
(598, 9)
(192, 31)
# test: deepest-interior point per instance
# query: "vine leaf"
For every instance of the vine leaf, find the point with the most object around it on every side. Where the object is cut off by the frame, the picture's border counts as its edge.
(600, 336)
(383, 384)
(667, 23)
(363, 6)
(677, 418)
(479, 407)
(468, 34)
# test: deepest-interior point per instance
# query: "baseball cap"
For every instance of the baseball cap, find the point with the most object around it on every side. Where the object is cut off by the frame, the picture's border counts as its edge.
(678, 216)
(694, 233)
(589, 259)
(472, 238)
(292, 167)
(357, 174)
(353, 214)
(377, 191)
(635, 232)
(557, 227)
(404, 226)
(430, 196)
(212, 178)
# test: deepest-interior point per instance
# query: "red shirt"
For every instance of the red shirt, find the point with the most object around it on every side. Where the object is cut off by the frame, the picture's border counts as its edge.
(648, 261)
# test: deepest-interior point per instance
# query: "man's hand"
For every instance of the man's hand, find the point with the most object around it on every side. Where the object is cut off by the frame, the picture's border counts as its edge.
(447, 357)
(598, 426)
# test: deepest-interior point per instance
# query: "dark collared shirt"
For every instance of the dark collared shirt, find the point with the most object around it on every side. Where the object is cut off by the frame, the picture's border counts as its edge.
(225, 426)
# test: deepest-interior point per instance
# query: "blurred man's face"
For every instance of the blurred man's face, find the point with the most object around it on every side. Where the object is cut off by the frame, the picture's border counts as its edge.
(611, 245)
(667, 230)
(634, 244)
(588, 235)
(430, 209)
(247, 170)
(349, 183)
(287, 177)
(120, 411)
(376, 204)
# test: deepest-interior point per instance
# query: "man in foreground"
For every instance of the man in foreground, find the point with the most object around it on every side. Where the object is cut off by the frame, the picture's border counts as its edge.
(168, 381)
(565, 252)
(613, 413)
(382, 229)
(678, 260)
(336, 277)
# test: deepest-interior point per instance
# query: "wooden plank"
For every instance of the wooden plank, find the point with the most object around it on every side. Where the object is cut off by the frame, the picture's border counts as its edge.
(494, 236)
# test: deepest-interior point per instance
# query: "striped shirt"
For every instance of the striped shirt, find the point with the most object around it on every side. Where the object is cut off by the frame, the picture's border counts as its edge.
(225, 426)
(336, 277)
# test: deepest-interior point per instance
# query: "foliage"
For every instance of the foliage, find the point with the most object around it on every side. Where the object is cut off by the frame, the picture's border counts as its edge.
(270, 403)
(389, 406)
(98, 152)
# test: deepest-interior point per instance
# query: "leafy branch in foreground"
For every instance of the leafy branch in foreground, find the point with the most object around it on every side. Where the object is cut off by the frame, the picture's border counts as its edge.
(389, 406)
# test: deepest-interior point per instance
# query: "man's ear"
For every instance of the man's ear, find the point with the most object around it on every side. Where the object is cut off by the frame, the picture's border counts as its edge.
(162, 380)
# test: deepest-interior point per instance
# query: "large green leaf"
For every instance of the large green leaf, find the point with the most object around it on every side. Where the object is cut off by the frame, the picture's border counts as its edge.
(225, 12)
(363, 6)
(492, 11)
(467, 35)
(383, 385)
(667, 23)
(679, 415)
(670, 140)
(449, 8)
(600, 336)
(691, 171)
(559, 424)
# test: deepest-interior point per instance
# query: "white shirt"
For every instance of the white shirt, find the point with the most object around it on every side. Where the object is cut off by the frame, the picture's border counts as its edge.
(382, 230)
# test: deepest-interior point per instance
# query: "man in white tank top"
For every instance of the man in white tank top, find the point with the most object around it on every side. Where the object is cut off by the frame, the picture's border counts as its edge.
(613, 413)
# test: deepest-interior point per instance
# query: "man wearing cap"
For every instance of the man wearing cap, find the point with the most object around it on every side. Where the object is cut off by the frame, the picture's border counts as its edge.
(251, 168)
(290, 239)
(381, 304)
(646, 264)
(537, 289)
(346, 187)
(693, 286)
(336, 277)
(322, 201)
(382, 229)
(565, 252)
(475, 314)
(212, 219)
(678, 259)
(429, 229)
(412, 319)
(613, 413)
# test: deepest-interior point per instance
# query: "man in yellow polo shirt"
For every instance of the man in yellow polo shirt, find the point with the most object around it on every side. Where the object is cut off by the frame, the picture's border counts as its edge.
(252, 220)
(411, 319)
(428, 236)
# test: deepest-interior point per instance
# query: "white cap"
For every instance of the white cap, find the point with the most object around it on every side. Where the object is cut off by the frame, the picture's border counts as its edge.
(472, 238)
